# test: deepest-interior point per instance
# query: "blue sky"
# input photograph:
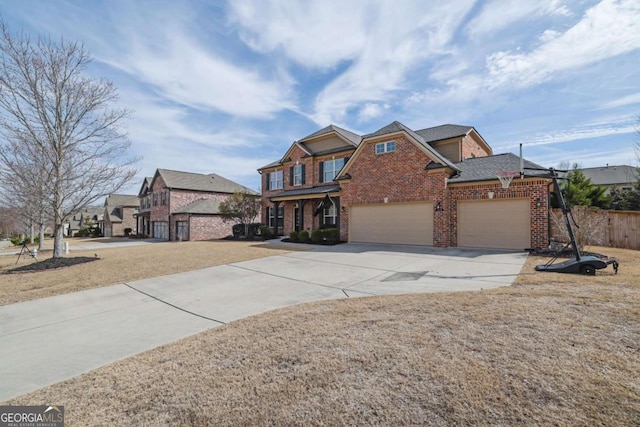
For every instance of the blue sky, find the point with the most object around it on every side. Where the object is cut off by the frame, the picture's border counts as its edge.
(226, 87)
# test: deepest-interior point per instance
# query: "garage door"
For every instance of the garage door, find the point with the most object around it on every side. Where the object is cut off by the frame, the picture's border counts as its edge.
(503, 224)
(402, 223)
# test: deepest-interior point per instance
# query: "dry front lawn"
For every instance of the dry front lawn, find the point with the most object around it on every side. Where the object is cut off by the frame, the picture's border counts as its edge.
(549, 350)
(122, 264)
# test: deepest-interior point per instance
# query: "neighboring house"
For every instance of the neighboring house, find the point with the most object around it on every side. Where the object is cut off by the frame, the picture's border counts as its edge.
(119, 214)
(184, 206)
(435, 187)
(92, 216)
(621, 176)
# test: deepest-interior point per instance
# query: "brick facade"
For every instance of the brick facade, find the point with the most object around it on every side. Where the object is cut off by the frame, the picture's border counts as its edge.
(200, 226)
(128, 221)
(408, 174)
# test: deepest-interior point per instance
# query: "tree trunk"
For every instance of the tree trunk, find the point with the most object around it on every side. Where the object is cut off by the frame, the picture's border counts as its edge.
(31, 238)
(58, 242)
(41, 232)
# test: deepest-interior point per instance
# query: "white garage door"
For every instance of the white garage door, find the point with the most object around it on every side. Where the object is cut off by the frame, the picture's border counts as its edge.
(402, 223)
(503, 224)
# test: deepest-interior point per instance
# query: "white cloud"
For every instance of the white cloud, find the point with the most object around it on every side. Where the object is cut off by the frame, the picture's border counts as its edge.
(393, 50)
(594, 129)
(608, 29)
(371, 111)
(315, 34)
(497, 15)
(625, 100)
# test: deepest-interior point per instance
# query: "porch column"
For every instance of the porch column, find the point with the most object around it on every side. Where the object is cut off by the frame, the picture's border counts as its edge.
(301, 203)
(275, 217)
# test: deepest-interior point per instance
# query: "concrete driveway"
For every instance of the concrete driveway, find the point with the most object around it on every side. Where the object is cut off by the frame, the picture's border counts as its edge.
(52, 339)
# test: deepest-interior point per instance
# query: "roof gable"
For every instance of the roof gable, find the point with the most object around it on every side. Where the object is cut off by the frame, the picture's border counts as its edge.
(348, 136)
(390, 130)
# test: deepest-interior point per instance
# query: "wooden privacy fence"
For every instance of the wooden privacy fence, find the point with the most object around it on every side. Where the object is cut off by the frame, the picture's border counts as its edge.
(618, 229)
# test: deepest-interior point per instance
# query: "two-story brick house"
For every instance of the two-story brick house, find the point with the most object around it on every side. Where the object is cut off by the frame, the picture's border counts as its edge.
(435, 186)
(119, 214)
(178, 205)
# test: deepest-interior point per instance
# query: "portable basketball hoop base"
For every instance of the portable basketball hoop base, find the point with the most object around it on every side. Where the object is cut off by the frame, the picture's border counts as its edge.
(506, 178)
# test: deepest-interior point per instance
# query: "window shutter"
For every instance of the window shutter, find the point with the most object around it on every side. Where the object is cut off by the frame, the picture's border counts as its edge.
(303, 173)
(291, 176)
(321, 178)
(269, 181)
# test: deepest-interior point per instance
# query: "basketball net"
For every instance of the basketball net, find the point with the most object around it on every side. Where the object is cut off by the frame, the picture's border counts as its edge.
(506, 178)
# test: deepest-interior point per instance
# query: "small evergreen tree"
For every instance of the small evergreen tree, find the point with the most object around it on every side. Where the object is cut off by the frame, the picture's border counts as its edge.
(578, 190)
(619, 199)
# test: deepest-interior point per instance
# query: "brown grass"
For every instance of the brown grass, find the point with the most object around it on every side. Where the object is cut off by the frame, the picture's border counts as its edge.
(550, 350)
(124, 264)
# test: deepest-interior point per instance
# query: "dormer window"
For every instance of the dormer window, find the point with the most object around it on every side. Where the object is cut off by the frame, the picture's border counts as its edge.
(385, 147)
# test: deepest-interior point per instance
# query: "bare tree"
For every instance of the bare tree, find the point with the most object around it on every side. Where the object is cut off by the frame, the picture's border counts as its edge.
(56, 119)
(241, 207)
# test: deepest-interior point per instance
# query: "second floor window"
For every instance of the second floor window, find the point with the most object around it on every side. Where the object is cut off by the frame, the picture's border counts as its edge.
(297, 175)
(331, 169)
(155, 199)
(385, 147)
(163, 198)
(276, 180)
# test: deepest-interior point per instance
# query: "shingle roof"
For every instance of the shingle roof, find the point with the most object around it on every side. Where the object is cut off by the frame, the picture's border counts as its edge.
(200, 182)
(313, 190)
(203, 206)
(486, 168)
(271, 165)
(439, 133)
(396, 126)
(115, 200)
(90, 211)
(611, 175)
(348, 135)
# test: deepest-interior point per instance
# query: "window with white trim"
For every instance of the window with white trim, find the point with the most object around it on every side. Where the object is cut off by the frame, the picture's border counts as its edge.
(297, 175)
(276, 180)
(329, 215)
(331, 169)
(385, 147)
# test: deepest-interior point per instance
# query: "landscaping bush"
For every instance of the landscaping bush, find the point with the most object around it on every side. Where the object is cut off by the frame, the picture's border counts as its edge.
(331, 235)
(316, 236)
(303, 236)
(16, 240)
(265, 232)
(96, 232)
(293, 236)
(127, 231)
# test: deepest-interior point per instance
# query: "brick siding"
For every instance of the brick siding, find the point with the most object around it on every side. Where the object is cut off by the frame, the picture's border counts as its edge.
(400, 176)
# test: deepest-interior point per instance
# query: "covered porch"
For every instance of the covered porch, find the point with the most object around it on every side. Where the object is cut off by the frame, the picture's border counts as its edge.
(304, 209)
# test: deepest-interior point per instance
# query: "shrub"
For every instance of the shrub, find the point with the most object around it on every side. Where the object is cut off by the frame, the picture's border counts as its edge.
(293, 236)
(96, 232)
(265, 232)
(316, 236)
(331, 235)
(303, 236)
(16, 240)
(127, 231)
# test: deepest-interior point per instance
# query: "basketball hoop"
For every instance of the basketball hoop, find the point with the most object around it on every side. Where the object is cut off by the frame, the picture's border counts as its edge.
(506, 178)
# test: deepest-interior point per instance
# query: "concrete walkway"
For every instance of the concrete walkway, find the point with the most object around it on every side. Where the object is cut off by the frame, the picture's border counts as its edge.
(52, 339)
